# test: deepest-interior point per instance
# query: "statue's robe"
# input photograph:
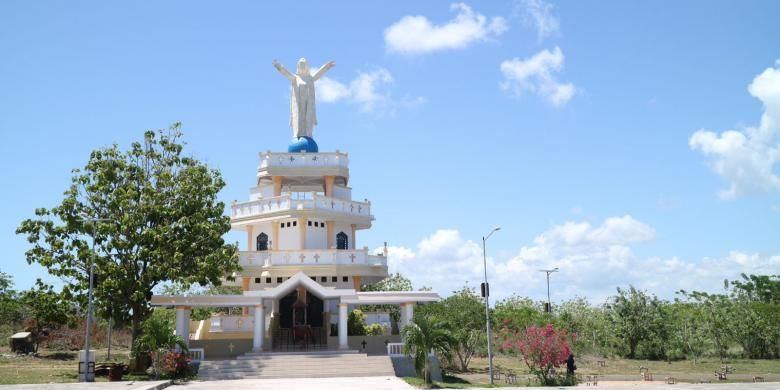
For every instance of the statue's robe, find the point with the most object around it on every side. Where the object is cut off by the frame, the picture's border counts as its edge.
(303, 112)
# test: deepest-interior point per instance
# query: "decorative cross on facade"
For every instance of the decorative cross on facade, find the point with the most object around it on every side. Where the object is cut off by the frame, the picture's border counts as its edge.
(292, 158)
(314, 158)
(352, 207)
(231, 347)
(364, 344)
(352, 256)
(360, 208)
(302, 257)
(332, 204)
(316, 257)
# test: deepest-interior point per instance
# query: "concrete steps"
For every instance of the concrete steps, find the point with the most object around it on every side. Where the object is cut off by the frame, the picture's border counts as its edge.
(324, 364)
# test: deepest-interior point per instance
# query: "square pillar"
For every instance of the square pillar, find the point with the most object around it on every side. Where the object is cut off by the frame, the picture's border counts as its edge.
(407, 312)
(277, 182)
(183, 323)
(343, 344)
(259, 326)
(250, 238)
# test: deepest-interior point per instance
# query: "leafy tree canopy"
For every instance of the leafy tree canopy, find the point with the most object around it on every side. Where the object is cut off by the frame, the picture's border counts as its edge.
(154, 217)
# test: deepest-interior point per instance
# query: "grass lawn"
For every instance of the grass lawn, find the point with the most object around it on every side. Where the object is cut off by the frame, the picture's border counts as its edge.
(622, 369)
(51, 366)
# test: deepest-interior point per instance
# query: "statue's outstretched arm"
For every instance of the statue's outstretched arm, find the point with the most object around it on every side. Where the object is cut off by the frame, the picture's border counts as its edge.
(286, 73)
(324, 69)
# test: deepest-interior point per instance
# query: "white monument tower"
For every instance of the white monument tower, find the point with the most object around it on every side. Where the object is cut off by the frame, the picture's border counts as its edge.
(302, 267)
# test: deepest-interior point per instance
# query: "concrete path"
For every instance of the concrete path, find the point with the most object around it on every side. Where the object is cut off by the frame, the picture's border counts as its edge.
(142, 385)
(356, 383)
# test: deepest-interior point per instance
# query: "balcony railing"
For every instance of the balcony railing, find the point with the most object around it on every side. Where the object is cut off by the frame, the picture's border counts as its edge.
(287, 203)
(310, 257)
(297, 160)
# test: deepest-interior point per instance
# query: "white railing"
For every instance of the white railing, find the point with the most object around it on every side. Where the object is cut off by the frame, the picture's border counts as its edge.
(286, 203)
(196, 354)
(395, 349)
(337, 159)
(310, 257)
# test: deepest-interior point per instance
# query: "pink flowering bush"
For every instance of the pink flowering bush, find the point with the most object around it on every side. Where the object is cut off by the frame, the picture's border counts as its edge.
(543, 349)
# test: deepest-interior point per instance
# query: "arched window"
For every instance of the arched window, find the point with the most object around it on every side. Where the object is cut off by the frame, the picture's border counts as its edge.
(342, 241)
(262, 242)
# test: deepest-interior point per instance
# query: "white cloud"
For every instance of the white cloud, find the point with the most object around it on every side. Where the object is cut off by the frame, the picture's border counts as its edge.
(535, 75)
(538, 14)
(593, 261)
(367, 90)
(747, 158)
(417, 35)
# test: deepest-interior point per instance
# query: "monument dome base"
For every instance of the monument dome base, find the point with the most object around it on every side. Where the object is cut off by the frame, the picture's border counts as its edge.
(303, 144)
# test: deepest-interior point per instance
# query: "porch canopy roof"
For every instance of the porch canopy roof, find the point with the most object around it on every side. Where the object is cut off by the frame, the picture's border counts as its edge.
(255, 297)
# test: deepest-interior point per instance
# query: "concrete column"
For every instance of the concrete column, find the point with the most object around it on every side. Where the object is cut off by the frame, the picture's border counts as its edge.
(409, 309)
(302, 231)
(183, 323)
(275, 236)
(329, 225)
(403, 320)
(258, 334)
(250, 238)
(277, 181)
(329, 185)
(343, 326)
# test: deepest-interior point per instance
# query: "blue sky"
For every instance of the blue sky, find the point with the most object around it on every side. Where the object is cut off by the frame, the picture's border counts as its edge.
(570, 124)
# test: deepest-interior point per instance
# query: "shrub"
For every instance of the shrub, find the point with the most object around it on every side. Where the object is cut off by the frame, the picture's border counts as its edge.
(375, 330)
(356, 323)
(543, 350)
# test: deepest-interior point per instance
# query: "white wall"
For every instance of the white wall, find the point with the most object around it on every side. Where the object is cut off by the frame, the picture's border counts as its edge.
(342, 192)
(289, 238)
(316, 236)
(261, 191)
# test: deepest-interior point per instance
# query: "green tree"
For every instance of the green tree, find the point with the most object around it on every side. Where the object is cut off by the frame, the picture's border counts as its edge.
(45, 308)
(157, 339)
(394, 282)
(10, 309)
(163, 223)
(716, 311)
(519, 313)
(463, 313)
(423, 335)
(634, 318)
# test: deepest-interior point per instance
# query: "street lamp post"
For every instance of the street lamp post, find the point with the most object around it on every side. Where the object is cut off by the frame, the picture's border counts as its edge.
(89, 296)
(487, 304)
(548, 272)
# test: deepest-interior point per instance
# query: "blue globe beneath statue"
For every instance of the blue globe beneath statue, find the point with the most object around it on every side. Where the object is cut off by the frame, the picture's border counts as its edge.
(303, 144)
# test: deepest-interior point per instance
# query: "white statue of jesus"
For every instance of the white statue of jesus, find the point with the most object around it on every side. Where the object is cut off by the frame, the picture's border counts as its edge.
(303, 111)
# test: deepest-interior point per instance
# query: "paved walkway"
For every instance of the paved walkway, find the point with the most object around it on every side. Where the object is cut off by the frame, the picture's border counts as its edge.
(356, 383)
(142, 385)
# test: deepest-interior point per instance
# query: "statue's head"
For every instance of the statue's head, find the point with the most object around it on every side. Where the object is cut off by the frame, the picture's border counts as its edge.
(303, 66)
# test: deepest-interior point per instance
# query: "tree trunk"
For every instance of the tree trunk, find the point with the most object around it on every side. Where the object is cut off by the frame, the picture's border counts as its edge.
(137, 320)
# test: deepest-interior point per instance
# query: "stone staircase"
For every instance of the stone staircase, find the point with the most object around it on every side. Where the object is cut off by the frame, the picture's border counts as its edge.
(321, 364)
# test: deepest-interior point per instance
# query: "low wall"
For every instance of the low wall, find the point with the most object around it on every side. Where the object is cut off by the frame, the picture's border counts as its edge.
(375, 345)
(223, 348)
(404, 366)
